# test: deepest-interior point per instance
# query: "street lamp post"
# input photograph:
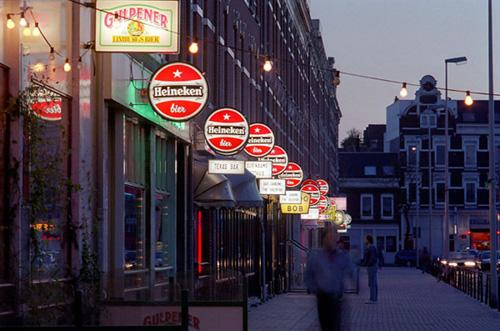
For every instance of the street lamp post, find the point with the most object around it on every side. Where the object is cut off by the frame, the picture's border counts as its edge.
(446, 221)
(492, 174)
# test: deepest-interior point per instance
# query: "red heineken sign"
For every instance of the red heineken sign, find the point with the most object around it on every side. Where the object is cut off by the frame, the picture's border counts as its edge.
(323, 203)
(178, 91)
(261, 140)
(226, 131)
(309, 182)
(323, 186)
(278, 157)
(313, 191)
(293, 175)
(49, 110)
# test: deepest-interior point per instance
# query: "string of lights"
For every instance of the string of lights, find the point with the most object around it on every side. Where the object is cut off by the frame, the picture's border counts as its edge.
(193, 48)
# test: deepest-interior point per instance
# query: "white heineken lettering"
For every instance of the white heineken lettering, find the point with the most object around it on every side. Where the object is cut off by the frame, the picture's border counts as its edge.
(232, 130)
(178, 91)
(177, 109)
(225, 143)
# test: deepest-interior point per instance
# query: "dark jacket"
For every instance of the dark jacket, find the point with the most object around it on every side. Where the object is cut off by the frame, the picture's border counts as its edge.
(370, 258)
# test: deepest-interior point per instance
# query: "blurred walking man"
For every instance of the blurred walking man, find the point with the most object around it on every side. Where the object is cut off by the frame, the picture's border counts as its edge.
(370, 261)
(325, 273)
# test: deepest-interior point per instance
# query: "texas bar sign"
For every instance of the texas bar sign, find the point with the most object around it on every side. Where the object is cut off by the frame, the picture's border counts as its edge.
(278, 157)
(178, 91)
(293, 175)
(147, 26)
(261, 140)
(226, 131)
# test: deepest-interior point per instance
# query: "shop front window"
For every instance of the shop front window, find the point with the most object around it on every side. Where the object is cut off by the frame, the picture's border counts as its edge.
(134, 228)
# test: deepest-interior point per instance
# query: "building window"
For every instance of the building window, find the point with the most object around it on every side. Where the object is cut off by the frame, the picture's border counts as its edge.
(380, 243)
(470, 192)
(470, 155)
(390, 244)
(366, 206)
(439, 192)
(370, 171)
(412, 155)
(428, 120)
(387, 203)
(440, 155)
(388, 171)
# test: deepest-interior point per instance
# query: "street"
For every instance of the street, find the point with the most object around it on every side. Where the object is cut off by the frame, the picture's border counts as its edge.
(408, 300)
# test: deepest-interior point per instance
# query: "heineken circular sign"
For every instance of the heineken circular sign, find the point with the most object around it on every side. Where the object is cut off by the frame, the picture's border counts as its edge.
(293, 175)
(178, 91)
(323, 203)
(279, 159)
(323, 186)
(226, 131)
(260, 141)
(309, 182)
(313, 191)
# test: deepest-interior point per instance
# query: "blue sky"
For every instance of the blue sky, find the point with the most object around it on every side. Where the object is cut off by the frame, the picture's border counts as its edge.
(404, 40)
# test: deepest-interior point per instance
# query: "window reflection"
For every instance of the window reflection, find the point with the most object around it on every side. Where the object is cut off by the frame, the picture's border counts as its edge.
(134, 228)
(161, 212)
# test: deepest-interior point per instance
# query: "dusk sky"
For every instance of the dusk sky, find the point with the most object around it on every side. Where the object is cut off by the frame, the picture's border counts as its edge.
(404, 40)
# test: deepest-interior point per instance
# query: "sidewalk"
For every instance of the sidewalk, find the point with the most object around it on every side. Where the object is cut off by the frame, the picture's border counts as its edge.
(408, 300)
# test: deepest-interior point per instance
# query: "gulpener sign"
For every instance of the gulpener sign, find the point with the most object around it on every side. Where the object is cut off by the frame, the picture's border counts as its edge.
(226, 131)
(178, 91)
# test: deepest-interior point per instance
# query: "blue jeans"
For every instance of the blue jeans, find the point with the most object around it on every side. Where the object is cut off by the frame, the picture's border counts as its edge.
(372, 282)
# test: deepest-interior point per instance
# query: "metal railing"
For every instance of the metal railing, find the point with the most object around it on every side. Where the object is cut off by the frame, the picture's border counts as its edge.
(473, 282)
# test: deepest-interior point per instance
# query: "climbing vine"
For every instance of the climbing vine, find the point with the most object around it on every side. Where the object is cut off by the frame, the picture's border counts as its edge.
(48, 284)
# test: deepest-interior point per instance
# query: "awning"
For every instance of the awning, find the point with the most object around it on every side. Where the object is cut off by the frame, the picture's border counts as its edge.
(211, 190)
(245, 190)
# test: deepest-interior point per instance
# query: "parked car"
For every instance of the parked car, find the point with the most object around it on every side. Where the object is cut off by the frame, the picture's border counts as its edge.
(406, 257)
(459, 259)
(483, 260)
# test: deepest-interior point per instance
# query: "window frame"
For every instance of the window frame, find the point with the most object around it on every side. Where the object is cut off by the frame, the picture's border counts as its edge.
(382, 196)
(362, 196)
(370, 167)
(475, 146)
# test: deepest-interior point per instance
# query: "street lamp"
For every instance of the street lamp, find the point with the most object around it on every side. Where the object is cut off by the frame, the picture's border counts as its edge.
(446, 235)
(492, 175)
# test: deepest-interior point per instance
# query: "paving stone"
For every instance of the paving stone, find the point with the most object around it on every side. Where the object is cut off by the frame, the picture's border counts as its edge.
(408, 300)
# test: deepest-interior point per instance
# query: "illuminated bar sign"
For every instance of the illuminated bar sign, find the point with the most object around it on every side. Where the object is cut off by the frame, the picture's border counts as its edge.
(261, 140)
(260, 169)
(293, 175)
(291, 197)
(297, 208)
(226, 131)
(312, 190)
(146, 26)
(313, 214)
(226, 167)
(178, 91)
(323, 186)
(272, 186)
(278, 157)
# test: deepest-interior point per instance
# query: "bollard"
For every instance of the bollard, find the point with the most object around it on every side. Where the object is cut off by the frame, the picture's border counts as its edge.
(78, 308)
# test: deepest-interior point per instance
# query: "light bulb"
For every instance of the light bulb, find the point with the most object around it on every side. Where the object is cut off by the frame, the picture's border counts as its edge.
(22, 21)
(268, 66)
(468, 99)
(10, 23)
(36, 30)
(67, 66)
(27, 31)
(193, 48)
(404, 91)
(52, 56)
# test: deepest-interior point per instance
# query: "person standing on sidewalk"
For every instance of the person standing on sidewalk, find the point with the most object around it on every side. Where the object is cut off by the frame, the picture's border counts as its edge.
(325, 273)
(370, 261)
